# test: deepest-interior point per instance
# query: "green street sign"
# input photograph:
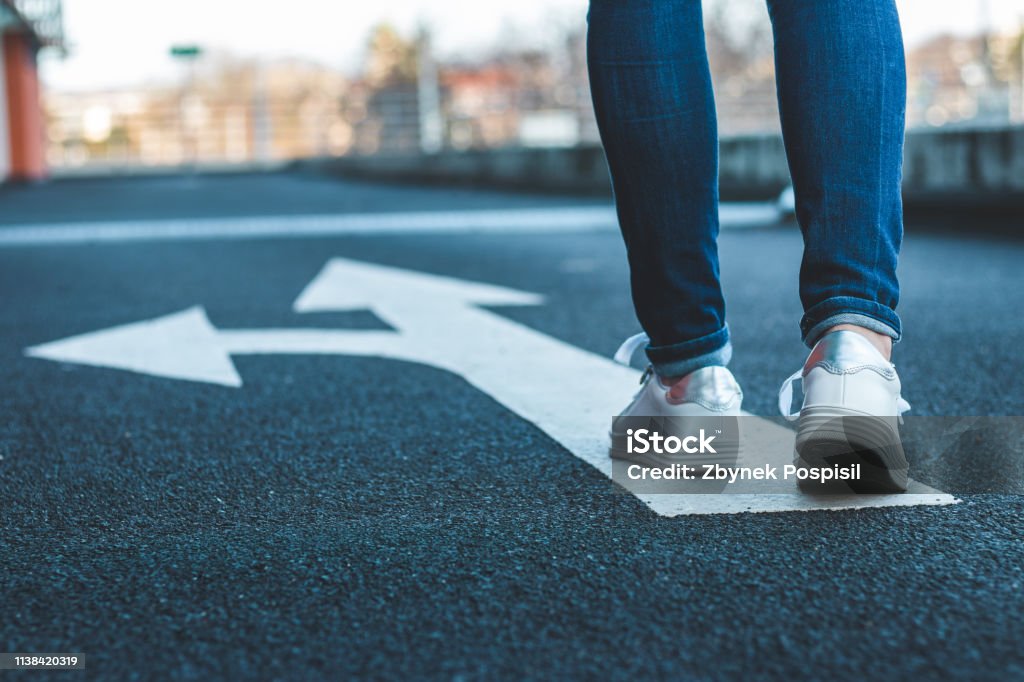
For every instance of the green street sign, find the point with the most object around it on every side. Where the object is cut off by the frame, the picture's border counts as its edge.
(186, 51)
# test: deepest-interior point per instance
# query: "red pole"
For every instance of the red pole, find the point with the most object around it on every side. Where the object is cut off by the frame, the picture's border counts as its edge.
(25, 112)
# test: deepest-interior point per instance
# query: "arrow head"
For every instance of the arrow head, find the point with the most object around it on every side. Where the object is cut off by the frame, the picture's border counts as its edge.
(351, 285)
(183, 345)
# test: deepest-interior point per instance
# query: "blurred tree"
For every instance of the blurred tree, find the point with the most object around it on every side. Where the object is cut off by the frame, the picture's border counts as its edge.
(390, 59)
(739, 41)
(738, 36)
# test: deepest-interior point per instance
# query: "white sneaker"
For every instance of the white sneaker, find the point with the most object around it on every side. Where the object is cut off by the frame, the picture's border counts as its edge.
(708, 398)
(850, 413)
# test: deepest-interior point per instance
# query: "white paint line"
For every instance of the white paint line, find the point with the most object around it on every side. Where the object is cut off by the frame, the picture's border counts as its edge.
(525, 220)
(569, 393)
(764, 442)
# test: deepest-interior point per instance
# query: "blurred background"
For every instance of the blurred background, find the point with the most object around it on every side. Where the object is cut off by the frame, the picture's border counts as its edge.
(96, 85)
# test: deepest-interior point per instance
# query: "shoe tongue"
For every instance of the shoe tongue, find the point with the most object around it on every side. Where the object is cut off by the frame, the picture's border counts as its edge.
(844, 349)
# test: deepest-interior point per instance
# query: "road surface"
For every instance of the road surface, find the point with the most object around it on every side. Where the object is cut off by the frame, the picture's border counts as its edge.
(347, 515)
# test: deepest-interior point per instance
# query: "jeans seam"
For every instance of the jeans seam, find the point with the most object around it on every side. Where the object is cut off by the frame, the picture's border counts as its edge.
(881, 139)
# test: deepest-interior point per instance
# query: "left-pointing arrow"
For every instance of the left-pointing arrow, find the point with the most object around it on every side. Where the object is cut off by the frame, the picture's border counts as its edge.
(183, 345)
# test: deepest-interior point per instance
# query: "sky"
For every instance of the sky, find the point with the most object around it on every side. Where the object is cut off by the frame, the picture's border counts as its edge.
(125, 43)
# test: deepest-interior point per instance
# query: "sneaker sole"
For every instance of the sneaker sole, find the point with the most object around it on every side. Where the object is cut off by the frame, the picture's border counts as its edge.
(832, 436)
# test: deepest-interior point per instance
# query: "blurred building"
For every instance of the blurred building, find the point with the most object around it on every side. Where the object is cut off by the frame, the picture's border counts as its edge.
(26, 26)
(975, 81)
(226, 111)
(405, 100)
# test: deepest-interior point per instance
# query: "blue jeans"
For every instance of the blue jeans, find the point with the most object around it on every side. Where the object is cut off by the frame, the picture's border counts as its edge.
(841, 86)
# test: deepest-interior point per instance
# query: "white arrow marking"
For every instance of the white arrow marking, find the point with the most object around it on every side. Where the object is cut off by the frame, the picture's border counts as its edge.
(180, 346)
(567, 392)
(186, 346)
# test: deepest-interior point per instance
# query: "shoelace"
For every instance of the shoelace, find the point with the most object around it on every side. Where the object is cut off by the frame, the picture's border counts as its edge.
(624, 355)
(786, 398)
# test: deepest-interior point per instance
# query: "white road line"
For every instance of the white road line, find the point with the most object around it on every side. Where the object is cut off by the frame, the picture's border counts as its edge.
(568, 393)
(526, 220)
(763, 442)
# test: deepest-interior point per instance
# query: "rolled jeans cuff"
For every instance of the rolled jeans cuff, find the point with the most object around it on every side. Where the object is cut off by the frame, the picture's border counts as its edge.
(849, 310)
(680, 359)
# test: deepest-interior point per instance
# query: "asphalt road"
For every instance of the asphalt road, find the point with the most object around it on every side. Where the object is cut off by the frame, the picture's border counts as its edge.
(359, 517)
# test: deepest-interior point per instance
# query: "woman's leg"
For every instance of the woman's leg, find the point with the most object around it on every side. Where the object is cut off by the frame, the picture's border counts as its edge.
(842, 96)
(655, 109)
